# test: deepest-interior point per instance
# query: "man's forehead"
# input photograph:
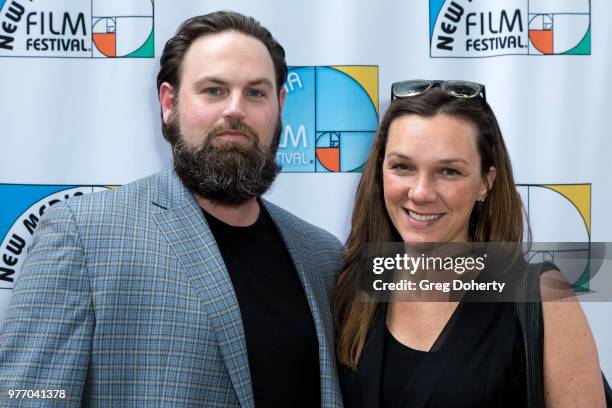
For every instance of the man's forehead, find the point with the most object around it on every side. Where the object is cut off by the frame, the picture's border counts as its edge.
(221, 80)
(228, 55)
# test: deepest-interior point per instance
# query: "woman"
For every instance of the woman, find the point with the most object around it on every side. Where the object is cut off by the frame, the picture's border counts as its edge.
(439, 172)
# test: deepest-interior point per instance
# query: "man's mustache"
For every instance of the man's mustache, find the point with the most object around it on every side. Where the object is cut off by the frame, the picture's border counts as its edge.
(233, 125)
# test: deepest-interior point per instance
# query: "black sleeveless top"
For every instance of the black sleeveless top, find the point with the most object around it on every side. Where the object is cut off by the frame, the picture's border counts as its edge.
(475, 362)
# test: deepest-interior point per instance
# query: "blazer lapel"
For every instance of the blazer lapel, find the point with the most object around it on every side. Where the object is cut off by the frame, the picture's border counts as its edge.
(318, 303)
(187, 233)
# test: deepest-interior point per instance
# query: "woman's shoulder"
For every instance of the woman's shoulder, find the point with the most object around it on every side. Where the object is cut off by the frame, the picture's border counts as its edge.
(572, 375)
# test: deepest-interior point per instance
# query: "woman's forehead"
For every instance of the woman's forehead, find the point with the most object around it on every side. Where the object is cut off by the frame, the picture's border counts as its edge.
(432, 133)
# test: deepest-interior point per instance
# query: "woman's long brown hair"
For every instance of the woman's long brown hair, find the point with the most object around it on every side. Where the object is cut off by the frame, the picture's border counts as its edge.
(498, 219)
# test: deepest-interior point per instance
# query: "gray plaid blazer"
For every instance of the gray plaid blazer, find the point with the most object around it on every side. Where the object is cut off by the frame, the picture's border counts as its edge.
(124, 300)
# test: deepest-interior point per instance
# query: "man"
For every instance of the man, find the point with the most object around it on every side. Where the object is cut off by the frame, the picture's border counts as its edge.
(185, 288)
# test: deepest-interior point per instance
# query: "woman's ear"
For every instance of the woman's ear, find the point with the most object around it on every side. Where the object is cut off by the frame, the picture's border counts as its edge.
(487, 183)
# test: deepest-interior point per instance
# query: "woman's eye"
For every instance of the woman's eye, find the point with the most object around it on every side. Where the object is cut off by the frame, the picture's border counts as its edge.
(450, 172)
(400, 167)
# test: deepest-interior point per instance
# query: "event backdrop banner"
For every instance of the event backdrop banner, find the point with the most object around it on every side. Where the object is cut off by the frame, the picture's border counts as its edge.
(80, 111)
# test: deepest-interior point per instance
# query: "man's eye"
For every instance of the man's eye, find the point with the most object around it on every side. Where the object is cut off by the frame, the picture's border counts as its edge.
(213, 91)
(255, 93)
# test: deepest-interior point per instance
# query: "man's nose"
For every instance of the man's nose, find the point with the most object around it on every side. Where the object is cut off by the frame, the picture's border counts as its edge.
(422, 189)
(235, 106)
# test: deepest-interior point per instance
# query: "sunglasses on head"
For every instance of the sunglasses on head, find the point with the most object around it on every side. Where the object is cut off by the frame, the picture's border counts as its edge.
(458, 89)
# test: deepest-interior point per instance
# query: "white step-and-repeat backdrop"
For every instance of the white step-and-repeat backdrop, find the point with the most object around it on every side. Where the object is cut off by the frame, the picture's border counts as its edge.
(79, 109)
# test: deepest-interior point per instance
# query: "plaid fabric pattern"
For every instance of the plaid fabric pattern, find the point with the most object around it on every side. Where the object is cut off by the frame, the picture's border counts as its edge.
(124, 301)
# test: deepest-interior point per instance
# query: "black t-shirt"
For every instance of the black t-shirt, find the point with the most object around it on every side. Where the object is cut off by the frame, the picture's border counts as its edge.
(281, 340)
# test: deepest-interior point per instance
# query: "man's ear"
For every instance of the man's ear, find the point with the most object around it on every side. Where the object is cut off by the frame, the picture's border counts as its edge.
(167, 100)
(281, 98)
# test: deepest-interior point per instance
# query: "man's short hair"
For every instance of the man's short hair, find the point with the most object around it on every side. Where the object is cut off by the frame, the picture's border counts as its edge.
(217, 22)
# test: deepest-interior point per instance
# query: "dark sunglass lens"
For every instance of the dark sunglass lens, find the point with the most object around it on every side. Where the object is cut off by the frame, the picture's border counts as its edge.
(410, 88)
(462, 89)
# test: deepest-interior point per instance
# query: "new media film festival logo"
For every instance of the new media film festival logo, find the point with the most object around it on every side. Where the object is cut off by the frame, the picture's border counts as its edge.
(329, 120)
(77, 29)
(484, 28)
(21, 207)
(546, 205)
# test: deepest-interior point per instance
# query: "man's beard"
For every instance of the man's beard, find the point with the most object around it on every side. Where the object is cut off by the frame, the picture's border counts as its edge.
(225, 172)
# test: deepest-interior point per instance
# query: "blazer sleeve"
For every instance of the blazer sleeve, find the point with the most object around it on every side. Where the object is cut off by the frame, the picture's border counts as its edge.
(46, 338)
